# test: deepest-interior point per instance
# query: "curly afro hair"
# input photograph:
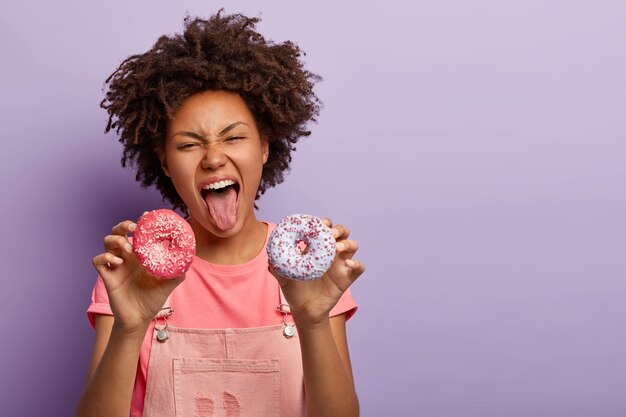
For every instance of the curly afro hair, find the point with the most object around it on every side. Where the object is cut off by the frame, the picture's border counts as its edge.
(224, 52)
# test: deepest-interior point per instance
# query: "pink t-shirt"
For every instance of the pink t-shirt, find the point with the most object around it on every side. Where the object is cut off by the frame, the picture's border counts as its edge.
(214, 297)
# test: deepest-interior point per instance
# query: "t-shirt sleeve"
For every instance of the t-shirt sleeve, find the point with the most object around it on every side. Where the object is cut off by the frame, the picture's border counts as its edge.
(99, 302)
(346, 304)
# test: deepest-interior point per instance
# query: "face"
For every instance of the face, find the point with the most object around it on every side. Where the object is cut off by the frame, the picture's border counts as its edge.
(214, 156)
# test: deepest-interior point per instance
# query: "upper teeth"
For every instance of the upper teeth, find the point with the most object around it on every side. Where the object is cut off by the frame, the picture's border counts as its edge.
(218, 185)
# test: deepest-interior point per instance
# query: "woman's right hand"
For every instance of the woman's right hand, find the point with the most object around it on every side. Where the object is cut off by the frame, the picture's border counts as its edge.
(135, 295)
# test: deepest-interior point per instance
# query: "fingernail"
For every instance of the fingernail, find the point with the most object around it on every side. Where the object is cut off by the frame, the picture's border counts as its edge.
(117, 260)
(339, 246)
(128, 248)
(350, 263)
(334, 231)
(132, 226)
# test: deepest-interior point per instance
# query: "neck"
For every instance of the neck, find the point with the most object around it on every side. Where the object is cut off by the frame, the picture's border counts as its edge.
(232, 250)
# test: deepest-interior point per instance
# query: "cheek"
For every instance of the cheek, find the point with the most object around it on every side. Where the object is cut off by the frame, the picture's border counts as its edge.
(250, 158)
(182, 174)
(255, 162)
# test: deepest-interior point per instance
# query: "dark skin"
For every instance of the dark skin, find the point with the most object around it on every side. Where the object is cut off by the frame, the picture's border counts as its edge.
(136, 296)
(277, 87)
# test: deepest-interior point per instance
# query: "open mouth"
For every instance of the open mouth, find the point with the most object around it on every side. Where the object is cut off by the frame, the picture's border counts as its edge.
(219, 187)
(222, 199)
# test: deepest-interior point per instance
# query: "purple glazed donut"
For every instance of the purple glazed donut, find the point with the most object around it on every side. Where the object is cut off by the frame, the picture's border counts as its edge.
(164, 243)
(286, 256)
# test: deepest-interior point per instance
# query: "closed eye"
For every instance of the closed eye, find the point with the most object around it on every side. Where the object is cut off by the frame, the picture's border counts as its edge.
(233, 138)
(187, 145)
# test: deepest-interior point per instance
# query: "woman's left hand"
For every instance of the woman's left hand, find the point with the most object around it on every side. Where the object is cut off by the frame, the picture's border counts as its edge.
(311, 301)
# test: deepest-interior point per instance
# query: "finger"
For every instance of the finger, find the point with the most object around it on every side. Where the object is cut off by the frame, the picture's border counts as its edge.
(117, 244)
(105, 262)
(340, 231)
(124, 228)
(328, 222)
(356, 266)
(347, 246)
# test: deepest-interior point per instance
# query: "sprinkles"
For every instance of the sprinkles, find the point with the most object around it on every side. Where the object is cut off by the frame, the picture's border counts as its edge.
(164, 243)
(286, 256)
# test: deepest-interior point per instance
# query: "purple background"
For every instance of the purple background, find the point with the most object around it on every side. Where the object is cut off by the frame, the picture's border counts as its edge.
(475, 148)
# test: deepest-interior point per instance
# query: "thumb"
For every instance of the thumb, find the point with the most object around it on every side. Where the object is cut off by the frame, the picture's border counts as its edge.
(282, 281)
(168, 285)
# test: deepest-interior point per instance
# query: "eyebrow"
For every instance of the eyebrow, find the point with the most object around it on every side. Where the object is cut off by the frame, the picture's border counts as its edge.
(201, 137)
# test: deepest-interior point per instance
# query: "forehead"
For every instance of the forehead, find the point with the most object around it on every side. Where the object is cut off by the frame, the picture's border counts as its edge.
(210, 111)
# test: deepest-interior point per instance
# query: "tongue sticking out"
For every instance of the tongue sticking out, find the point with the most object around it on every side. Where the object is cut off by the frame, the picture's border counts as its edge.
(223, 207)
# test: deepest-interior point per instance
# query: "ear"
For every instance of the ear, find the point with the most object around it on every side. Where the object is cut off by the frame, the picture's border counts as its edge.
(265, 144)
(163, 158)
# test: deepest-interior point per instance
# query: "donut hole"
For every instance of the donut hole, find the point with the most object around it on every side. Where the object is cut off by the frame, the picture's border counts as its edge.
(303, 247)
(166, 243)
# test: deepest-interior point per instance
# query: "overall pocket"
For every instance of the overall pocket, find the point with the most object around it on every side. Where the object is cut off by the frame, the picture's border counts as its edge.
(205, 387)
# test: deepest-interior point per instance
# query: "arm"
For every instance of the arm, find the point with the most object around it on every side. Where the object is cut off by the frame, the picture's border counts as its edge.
(135, 298)
(112, 371)
(327, 370)
(325, 359)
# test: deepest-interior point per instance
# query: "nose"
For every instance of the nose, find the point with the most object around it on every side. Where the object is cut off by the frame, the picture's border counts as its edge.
(214, 157)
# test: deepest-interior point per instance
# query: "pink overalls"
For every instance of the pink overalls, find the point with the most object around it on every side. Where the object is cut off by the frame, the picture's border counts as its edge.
(248, 372)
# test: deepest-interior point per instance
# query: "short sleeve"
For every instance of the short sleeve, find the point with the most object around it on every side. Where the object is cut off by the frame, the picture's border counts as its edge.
(346, 304)
(99, 302)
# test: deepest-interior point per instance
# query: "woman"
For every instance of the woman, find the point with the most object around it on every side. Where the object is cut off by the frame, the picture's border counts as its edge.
(210, 117)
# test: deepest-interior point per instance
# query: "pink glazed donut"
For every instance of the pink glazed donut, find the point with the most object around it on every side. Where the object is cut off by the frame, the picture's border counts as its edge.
(286, 256)
(164, 243)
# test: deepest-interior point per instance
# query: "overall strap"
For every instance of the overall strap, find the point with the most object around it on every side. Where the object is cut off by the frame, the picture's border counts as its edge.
(283, 307)
(161, 332)
(166, 311)
(289, 328)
